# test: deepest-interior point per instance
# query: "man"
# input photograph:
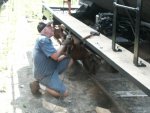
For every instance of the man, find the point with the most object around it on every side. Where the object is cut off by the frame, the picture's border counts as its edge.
(69, 5)
(49, 63)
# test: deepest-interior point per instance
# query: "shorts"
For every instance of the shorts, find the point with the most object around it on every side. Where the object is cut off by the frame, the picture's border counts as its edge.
(53, 81)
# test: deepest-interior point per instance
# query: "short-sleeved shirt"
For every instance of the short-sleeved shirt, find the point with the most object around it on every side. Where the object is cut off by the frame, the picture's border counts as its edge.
(47, 70)
(44, 65)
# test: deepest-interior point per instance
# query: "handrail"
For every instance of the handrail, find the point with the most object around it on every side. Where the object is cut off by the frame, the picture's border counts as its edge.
(137, 10)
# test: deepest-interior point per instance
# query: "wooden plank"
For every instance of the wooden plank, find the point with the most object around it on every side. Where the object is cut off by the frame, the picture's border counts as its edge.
(65, 7)
(76, 26)
(54, 108)
(101, 110)
(130, 94)
(122, 61)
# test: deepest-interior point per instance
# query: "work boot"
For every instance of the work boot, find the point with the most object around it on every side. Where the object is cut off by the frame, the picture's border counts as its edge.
(34, 86)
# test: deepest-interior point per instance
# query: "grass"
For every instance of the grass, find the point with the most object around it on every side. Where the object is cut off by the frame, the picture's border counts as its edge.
(6, 35)
(8, 18)
(13, 9)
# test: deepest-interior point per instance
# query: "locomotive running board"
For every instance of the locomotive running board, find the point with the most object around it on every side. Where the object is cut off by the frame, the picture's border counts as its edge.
(102, 46)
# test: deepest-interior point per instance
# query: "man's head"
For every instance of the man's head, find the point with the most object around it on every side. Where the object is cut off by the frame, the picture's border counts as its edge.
(45, 28)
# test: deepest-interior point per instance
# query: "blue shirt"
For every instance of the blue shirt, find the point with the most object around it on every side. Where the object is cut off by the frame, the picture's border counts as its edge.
(44, 65)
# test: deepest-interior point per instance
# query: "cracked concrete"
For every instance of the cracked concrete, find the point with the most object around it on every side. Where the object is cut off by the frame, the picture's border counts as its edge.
(15, 95)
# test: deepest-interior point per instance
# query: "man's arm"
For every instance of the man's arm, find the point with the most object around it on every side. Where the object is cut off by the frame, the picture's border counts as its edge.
(61, 57)
(58, 53)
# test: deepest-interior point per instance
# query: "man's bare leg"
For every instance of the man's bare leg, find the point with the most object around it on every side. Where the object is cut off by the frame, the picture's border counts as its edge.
(69, 6)
(55, 93)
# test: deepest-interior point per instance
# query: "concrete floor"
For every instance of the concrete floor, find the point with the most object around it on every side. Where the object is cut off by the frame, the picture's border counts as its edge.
(15, 95)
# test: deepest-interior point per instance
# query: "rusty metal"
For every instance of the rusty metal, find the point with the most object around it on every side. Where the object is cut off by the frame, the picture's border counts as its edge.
(59, 33)
(78, 52)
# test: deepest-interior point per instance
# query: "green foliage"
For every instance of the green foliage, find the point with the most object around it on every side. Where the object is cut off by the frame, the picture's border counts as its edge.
(31, 9)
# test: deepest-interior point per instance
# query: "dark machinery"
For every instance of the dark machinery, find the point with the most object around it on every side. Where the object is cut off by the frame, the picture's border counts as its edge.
(117, 28)
(132, 29)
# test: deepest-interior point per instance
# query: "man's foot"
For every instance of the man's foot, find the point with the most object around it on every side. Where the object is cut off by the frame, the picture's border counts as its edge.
(34, 86)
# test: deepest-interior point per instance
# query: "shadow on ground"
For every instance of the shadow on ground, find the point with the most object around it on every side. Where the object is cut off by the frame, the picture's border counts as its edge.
(84, 95)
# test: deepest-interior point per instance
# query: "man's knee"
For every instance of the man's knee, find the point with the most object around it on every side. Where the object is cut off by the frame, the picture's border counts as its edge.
(56, 93)
(66, 93)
